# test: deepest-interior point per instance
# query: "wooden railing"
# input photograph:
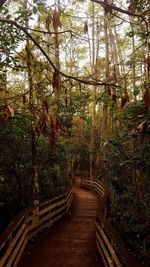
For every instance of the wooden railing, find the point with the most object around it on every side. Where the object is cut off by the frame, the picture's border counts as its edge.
(93, 184)
(28, 224)
(105, 248)
(104, 245)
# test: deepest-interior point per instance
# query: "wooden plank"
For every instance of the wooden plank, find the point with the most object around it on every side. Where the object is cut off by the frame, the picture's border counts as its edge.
(69, 196)
(68, 206)
(54, 213)
(42, 226)
(112, 251)
(11, 228)
(99, 183)
(12, 244)
(69, 192)
(29, 219)
(105, 252)
(21, 242)
(33, 225)
(55, 205)
(97, 186)
(58, 210)
(101, 193)
(70, 202)
(29, 216)
(31, 235)
(50, 207)
(58, 217)
(101, 254)
(107, 242)
(98, 189)
(49, 201)
(100, 186)
(21, 237)
(20, 253)
(50, 215)
(89, 182)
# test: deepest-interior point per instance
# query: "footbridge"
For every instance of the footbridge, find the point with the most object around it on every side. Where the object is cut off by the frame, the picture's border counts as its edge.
(66, 231)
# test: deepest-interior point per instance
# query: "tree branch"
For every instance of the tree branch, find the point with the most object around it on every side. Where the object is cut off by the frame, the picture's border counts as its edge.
(111, 6)
(23, 29)
(2, 2)
(48, 32)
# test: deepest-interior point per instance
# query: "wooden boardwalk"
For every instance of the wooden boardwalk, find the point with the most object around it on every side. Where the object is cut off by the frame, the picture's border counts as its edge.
(71, 242)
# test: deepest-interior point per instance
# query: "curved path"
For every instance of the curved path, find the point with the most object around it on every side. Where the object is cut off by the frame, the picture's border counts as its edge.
(71, 241)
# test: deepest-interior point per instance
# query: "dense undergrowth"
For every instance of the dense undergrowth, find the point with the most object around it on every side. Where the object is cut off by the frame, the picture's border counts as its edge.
(16, 188)
(127, 156)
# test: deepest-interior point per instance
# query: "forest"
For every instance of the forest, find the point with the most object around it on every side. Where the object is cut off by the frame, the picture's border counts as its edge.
(75, 97)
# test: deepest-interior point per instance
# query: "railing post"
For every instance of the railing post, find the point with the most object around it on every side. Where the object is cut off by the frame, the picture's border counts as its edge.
(28, 224)
(36, 197)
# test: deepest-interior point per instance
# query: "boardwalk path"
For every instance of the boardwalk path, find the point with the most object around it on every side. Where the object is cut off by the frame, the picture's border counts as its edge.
(70, 242)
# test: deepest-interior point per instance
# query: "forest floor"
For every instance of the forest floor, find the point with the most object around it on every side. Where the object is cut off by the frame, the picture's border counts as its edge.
(71, 242)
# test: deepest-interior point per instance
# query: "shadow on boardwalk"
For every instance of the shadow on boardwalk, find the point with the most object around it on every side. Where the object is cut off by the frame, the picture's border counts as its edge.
(71, 242)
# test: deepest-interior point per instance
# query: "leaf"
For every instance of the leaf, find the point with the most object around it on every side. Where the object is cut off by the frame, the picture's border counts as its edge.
(126, 96)
(47, 22)
(85, 27)
(56, 20)
(10, 111)
(141, 126)
(132, 7)
(5, 113)
(141, 116)
(3, 116)
(56, 81)
(43, 122)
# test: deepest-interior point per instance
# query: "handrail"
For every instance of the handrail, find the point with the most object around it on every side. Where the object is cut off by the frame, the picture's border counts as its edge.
(112, 253)
(93, 184)
(28, 223)
(104, 246)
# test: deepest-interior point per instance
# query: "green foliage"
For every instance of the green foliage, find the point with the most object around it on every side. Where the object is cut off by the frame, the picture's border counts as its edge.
(15, 155)
(127, 157)
(52, 167)
(16, 188)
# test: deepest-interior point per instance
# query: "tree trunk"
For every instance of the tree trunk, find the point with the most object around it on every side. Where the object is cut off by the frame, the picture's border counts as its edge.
(35, 183)
(122, 67)
(104, 129)
(92, 142)
(133, 62)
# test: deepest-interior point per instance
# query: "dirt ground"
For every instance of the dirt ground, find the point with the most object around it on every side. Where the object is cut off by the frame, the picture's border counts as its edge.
(71, 242)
